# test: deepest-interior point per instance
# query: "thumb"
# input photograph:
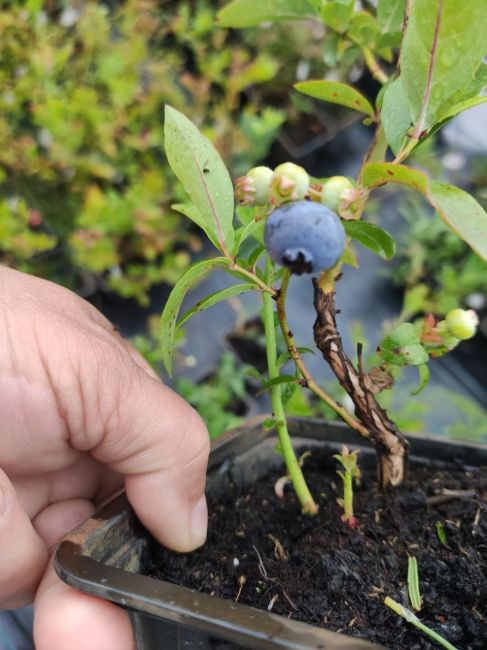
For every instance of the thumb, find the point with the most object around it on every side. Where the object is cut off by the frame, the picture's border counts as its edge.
(161, 445)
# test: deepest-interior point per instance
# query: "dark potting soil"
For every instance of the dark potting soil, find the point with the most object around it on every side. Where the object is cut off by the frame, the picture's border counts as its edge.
(263, 552)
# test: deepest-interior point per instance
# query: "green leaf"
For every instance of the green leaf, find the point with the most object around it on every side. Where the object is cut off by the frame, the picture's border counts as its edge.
(192, 212)
(440, 532)
(424, 377)
(203, 174)
(255, 256)
(376, 239)
(364, 30)
(253, 228)
(462, 106)
(444, 44)
(478, 84)
(284, 357)
(277, 381)
(214, 299)
(390, 14)
(247, 13)
(349, 257)
(459, 210)
(337, 14)
(336, 92)
(394, 115)
(403, 348)
(413, 584)
(173, 304)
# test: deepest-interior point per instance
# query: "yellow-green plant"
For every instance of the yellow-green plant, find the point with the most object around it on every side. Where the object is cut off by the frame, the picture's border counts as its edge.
(84, 187)
(348, 460)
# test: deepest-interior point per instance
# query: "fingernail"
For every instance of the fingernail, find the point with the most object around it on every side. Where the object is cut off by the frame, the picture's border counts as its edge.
(199, 522)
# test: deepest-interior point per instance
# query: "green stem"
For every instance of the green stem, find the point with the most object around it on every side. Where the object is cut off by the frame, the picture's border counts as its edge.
(414, 620)
(266, 288)
(371, 62)
(304, 495)
(348, 495)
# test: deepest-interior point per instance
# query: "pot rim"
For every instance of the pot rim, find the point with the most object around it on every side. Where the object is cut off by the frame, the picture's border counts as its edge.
(100, 576)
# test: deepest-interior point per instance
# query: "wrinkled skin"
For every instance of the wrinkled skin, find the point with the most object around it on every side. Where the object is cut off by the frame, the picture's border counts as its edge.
(83, 415)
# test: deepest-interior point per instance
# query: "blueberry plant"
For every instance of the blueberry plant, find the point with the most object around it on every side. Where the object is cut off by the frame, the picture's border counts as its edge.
(287, 223)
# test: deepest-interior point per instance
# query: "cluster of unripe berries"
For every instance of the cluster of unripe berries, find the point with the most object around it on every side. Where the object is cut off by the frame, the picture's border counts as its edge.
(307, 236)
(442, 336)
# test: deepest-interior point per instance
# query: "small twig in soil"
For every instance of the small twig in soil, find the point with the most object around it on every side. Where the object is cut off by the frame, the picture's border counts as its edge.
(476, 520)
(279, 550)
(266, 577)
(450, 495)
(241, 581)
(272, 601)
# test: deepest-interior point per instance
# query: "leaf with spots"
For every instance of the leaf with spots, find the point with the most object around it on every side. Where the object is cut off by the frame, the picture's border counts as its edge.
(459, 210)
(336, 92)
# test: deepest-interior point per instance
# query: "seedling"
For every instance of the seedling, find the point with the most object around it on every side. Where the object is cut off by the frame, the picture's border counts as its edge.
(415, 597)
(410, 617)
(440, 532)
(348, 460)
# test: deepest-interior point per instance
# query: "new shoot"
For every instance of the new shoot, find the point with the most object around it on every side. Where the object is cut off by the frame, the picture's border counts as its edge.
(348, 460)
(410, 617)
(415, 597)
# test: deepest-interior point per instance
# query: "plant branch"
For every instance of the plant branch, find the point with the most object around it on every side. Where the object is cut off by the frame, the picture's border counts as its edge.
(302, 491)
(390, 444)
(374, 68)
(266, 288)
(311, 383)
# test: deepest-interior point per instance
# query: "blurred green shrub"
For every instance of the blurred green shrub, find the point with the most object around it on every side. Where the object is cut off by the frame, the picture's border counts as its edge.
(84, 188)
(438, 270)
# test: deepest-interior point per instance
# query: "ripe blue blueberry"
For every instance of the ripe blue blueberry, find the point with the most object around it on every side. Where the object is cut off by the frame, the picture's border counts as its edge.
(304, 236)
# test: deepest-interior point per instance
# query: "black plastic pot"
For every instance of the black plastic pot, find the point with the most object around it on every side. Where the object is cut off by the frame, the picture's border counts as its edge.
(108, 555)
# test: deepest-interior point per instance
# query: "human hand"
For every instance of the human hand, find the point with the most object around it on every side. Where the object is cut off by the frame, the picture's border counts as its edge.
(82, 414)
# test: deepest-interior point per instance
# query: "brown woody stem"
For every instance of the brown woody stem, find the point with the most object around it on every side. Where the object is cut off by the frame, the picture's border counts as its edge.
(390, 444)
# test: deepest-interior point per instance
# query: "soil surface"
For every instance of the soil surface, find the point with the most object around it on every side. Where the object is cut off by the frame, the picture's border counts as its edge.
(263, 552)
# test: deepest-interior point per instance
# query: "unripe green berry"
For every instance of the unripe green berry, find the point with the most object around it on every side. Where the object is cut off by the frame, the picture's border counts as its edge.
(260, 178)
(334, 190)
(462, 323)
(289, 182)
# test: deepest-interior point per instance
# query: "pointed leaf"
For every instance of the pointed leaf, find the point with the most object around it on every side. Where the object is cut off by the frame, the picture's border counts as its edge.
(424, 377)
(253, 228)
(277, 381)
(203, 174)
(376, 239)
(395, 116)
(337, 14)
(459, 210)
(462, 106)
(403, 348)
(444, 44)
(390, 14)
(336, 93)
(247, 13)
(214, 299)
(192, 212)
(173, 304)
